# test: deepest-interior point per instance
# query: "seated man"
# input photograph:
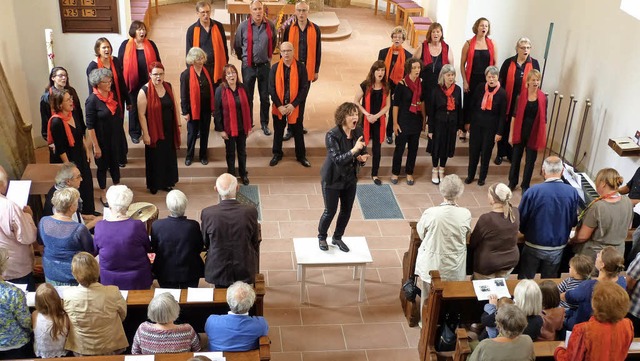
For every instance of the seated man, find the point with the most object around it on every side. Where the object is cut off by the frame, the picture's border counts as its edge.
(236, 331)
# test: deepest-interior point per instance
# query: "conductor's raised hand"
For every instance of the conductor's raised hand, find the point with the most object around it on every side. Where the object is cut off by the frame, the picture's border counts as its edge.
(359, 145)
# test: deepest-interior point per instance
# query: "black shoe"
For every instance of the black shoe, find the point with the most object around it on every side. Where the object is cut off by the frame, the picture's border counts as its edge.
(389, 140)
(394, 180)
(204, 161)
(167, 189)
(122, 165)
(323, 244)
(188, 162)
(266, 130)
(480, 182)
(497, 161)
(135, 140)
(304, 131)
(104, 203)
(245, 180)
(343, 247)
(469, 180)
(274, 161)
(304, 162)
(377, 181)
(287, 136)
(153, 191)
(95, 214)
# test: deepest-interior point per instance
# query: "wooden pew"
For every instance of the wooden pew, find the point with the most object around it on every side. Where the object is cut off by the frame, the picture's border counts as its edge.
(410, 308)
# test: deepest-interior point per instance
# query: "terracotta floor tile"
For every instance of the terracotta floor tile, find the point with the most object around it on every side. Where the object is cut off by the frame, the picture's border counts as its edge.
(299, 229)
(385, 258)
(342, 275)
(280, 202)
(282, 297)
(286, 356)
(390, 242)
(334, 295)
(292, 189)
(390, 275)
(312, 338)
(362, 228)
(276, 215)
(283, 316)
(374, 335)
(404, 354)
(412, 333)
(382, 314)
(274, 336)
(320, 315)
(413, 200)
(394, 228)
(276, 245)
(312, 214)
(270, 229)
(276, 261)
(335, 356)
(288, 278)
(382, 293)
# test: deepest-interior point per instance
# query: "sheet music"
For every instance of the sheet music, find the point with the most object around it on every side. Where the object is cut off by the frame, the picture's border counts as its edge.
(124, 294)
(566, 338)
(199, 294)
(175, 292)
(18, 192)
(31, 299)
(494, 286)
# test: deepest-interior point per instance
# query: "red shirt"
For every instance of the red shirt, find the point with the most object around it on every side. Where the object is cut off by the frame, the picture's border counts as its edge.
(595, 340)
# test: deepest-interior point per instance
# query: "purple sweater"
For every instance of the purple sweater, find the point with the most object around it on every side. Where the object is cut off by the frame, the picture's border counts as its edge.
(122, 247)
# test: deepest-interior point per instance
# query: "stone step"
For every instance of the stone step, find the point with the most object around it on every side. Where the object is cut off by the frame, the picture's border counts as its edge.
(326, 20)
(344, 31)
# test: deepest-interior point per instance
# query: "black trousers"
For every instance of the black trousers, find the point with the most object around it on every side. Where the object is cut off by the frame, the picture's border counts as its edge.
(481, 141)
(193, 126)
(122, 139)
(261, 74)
(108, 161)
(402, 140)
(278, 134)
(504, 148)
(135, 131)
(374, 141)
(530, 161)
(86, 186)
(331, 197)
(303, 106)
(392, 88)
(232, 144)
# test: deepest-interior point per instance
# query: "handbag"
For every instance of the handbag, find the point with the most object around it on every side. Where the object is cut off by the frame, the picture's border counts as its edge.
(411, 290)
(446, 335)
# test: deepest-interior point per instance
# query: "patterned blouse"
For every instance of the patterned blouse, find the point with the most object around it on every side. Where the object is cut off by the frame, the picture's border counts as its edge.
(15, 319)
(149, 340)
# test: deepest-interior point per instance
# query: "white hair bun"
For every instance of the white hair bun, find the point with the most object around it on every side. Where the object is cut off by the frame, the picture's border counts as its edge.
(503, 192)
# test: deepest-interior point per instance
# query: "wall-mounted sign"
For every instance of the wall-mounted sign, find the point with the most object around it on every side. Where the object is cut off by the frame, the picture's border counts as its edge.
(89, 16)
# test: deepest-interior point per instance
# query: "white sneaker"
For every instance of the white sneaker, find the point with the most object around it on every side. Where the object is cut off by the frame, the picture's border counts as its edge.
(434, 176)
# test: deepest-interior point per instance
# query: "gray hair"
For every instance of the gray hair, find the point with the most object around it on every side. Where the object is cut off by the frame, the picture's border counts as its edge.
(163, 309)
(446, 69)
(226, 186)
(552, 165)
(511, 321)
(4, 260)
(240, 297)
(451, 187)
(201, 4)
(195, 54)
(65, 174)
(528, 297)
(493, 70)
(119, 198)
(523, 40)
(176, 203)
(64, 198)
(96, 76)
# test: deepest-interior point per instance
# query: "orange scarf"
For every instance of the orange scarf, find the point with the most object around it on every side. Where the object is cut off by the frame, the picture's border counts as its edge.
(294, 38)
(383, 118)
(194, 92)
(130, 61)
(487, 98)
(250, 41)
(67, 128)
(116, 80)
(219, 55)
(451, 102)
(397, 72)
(108, 100)
(511, 79)
(472, 50)
(293, 90)
(154, 116)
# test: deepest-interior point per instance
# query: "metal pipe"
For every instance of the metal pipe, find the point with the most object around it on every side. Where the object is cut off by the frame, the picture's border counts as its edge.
(566, 144)
(555, 126)
(553, 107)
(584, 122)
(566, 123)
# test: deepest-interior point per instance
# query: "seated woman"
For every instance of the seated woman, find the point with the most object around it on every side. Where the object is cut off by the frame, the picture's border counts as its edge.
(609, 263)
(495, 236)
(15, 320)
(607, 335)
(552, 313)
(122, 245)
(63, 238)
(96, 312)
(510, 344)
(50, 323)
(161, 335)
(177, 242)
(528, 298)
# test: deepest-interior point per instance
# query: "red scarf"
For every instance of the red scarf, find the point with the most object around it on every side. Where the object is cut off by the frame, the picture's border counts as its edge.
(250, 41)
(511, 79)
(217, 43)
(154, 116)
(416, 89)
(108, 100)
(293, 90)
(426, 55)
(382, 119)
(116, 80)
(398, 68)
(130, 61)
(487, 99)
(229, 115)
(451, 102)
(67, 128)
(294, 38)
(194, 92)
(472, 50)
(537, 138)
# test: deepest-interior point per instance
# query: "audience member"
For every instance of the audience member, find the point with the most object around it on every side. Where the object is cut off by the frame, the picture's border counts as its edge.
(209, 35)
(495, 237)
(511, 344)
(63, 238)
(231, 237)
(177, 243)
(528, 297)
(17, 233)
(162, 335)
(607, 335)
(122, 245)
(236, 331)
(548, 211)
(15, 320)
(51, 323)
(488, 318)
(632, 277)
(552, 313)
(96, 312)
(580, 270)
(632, 189)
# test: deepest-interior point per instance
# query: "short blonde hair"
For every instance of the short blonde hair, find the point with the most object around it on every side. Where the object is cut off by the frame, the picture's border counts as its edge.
(85, 268)
(195, 54)
(63, 199)
(399, 30)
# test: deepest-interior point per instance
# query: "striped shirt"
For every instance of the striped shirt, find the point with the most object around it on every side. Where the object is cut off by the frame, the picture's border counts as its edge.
(634, 272)
(150, 340)
(568, 284)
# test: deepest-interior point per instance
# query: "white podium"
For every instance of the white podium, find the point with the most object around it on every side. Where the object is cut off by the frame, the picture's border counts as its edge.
(308, 254)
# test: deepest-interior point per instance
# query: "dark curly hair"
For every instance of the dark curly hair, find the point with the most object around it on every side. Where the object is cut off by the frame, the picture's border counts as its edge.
(343, 110)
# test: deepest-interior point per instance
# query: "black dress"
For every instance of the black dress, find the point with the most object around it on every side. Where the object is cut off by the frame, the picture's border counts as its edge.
(429, 77)
(481, 59)
(374, 129)
(161, 161)
(444, 125)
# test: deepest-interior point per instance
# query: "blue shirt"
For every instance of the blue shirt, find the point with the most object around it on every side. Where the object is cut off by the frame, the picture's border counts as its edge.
(581, 296)
(15, 319)
(235, 332)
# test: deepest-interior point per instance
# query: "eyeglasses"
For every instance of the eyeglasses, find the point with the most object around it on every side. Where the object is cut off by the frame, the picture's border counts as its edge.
(524, 47)
(302, 10)
(287, 51)
(204, 12)
(232, 74)
(107, 81)
(61, 75)
(157, 74)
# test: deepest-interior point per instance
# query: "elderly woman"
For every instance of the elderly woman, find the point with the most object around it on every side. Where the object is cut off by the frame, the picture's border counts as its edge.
(445, 118)
(122, 245)
(528, 297)
(177, 242)
(15, 319)
(197, 103)
(63, 238)
(104, 125)
(408, 119)
(606, 221)
(488, 121)
(512, 72)
(511, 344)
(233, 119)
(444, 230)
(136, 54)
(160, 131)
(495, 236)
(96, 312)
(162, 335)
(346, 151)
(608, 334)
(434, 53)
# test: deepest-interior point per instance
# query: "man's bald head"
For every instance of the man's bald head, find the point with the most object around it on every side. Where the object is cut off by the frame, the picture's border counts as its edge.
(226, 186)
(552, 167)
(4, 181)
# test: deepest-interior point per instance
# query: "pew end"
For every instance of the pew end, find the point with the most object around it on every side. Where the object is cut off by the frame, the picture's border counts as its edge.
(463, 349)
(265, 348)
